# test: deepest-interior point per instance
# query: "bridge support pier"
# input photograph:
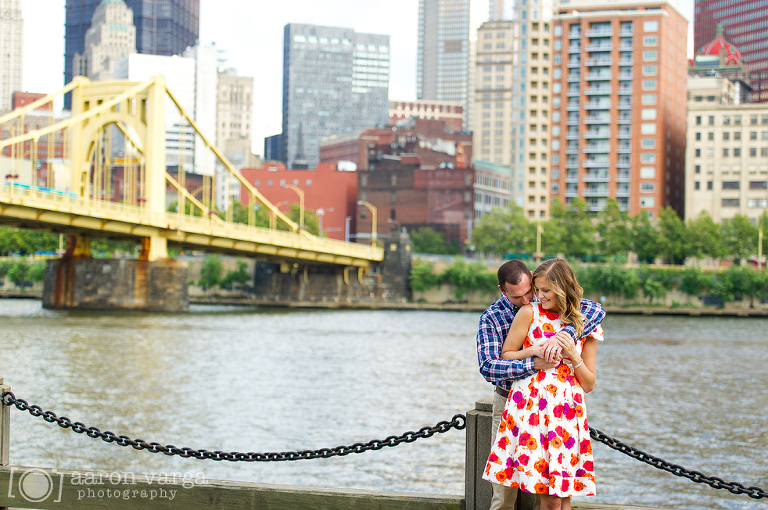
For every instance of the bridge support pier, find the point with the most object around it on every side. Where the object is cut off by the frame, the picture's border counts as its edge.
(116, 284)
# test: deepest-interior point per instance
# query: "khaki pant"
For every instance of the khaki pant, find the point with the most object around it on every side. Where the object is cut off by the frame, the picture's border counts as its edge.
(504, 498)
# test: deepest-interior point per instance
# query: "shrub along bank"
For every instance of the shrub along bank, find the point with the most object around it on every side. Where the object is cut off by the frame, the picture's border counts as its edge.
(614, 284)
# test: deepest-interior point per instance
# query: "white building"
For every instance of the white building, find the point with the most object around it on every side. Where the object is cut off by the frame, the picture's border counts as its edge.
(726, 160)
(111, 37)
(192, 81)
(234, 131)
(11, 31)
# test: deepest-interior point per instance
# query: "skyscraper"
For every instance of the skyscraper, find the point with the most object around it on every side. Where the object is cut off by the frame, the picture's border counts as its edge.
(163, 27)
(442, 72)
(513, 69)
(335, 81)
(619, 105)
(111, 37)
(11, 26)
(744, 23)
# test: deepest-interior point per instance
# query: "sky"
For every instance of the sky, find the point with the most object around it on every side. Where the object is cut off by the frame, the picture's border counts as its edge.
(249, 34)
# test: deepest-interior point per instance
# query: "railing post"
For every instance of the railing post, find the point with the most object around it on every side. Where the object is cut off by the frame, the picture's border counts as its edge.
(477, 492)
(5, 428)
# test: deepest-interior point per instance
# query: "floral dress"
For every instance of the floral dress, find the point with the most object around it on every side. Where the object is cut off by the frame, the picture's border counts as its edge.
(542, 445)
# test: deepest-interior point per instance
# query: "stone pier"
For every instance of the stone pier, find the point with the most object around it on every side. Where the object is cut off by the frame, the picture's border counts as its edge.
(116, 284)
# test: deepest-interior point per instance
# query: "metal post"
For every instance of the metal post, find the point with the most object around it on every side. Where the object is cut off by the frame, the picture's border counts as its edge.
(5, 428)
(346, 228)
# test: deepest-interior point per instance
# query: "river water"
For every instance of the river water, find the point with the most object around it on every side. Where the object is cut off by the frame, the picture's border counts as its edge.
(692, 391)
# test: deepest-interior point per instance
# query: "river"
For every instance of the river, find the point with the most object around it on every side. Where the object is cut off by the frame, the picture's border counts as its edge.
(692, 391)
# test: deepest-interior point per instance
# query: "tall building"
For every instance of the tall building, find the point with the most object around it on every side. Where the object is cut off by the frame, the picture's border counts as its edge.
(744, 23)
(619, 105)
(192, 81)
(442, 72)
(11, 29)
(513, 73)
(234, 131)
(335, 81)
(726, 169)
(163, 27)
(111, 37)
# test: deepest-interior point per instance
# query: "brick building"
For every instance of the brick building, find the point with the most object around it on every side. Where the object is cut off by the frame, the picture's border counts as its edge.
(411, 195)
(329, 192)
(433, 140)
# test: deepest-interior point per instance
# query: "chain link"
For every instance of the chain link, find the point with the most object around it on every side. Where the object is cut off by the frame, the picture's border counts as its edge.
(459, 422)
(694, 476)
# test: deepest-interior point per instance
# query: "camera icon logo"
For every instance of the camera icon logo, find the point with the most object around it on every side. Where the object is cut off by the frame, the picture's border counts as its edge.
(36, 485)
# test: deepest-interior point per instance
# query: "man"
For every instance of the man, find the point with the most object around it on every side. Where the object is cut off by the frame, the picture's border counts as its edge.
(517, 291)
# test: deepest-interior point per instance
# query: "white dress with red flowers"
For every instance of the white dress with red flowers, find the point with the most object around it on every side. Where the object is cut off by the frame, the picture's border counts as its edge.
(542, 445)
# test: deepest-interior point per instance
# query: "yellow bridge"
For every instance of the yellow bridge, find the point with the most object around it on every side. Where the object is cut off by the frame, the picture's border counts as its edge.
(77, 198)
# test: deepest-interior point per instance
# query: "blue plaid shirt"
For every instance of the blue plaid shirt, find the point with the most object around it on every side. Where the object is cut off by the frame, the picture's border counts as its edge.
(492, 331)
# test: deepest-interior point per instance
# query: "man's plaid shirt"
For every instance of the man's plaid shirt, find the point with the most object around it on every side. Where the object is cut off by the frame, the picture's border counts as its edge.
(492, 331)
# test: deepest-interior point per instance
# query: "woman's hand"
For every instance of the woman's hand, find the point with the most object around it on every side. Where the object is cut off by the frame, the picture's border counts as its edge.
(569, 348)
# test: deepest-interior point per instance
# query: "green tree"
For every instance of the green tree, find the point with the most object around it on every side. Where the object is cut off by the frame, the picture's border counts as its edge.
(18, 273)
(469, 277)
(740, 237)
(503, 231)
(239, 276)
(572, 226)
(428, 240)
(695, 282)
(613, 226)
(210, 273)
(705, 237)
(37, 271)
(423, 277)
(673, 236)
(645, 240)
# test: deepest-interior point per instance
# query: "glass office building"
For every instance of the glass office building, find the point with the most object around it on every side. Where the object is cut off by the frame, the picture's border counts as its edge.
(163, 27)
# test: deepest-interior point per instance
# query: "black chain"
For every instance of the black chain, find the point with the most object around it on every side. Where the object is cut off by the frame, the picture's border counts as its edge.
(458, 422)
(695, 476)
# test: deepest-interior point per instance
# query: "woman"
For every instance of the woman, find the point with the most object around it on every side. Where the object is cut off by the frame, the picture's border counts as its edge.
(542, 445)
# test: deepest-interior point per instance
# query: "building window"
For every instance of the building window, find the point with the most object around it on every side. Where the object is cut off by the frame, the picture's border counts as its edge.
(731, 185)
(649, 84)
(648, 128)
(650, 40)
(650, 26)
(647, 172)
(650, 70)
(650, 55)
(649, 143)
(646, 187)
(731, 202)
(647, 202)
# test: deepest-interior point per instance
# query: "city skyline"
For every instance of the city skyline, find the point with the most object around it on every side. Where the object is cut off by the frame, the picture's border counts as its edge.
(238, 35)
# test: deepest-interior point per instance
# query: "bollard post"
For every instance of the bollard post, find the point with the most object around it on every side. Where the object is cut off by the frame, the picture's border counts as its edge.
(5, 428)
(477, 492)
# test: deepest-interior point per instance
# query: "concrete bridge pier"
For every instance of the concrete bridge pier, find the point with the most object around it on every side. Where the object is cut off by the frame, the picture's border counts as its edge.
(78, 281)
(295, 282)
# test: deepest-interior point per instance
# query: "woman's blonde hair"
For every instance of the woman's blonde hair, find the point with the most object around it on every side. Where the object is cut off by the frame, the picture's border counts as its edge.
(567, 291)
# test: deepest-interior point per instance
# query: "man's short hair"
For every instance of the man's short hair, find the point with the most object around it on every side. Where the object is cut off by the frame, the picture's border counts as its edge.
(512, 272)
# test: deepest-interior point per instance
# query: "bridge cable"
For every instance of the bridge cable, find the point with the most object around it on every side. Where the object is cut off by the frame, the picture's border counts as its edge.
(459, 422)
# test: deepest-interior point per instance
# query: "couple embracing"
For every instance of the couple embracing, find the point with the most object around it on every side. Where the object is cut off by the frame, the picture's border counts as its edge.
(538, 345)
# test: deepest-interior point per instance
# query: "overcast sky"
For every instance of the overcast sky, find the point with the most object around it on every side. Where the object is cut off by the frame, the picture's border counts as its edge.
(250, 35)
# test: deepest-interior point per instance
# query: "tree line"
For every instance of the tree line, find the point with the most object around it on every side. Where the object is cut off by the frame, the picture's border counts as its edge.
(643, 284)
(576, 233)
